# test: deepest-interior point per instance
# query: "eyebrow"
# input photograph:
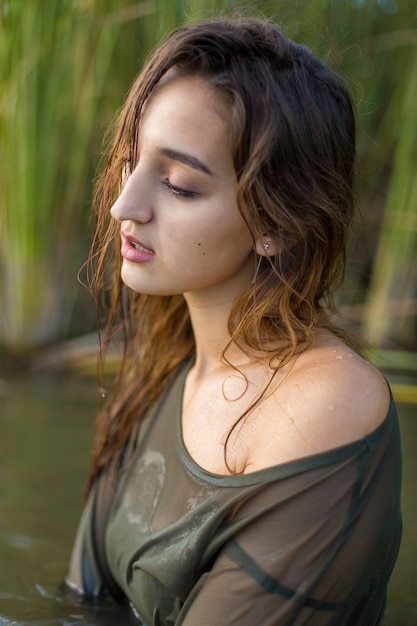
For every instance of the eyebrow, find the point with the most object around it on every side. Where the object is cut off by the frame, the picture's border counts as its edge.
(188, 159)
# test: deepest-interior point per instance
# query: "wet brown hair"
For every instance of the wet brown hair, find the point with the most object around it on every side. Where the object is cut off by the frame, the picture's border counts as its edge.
(294, 149)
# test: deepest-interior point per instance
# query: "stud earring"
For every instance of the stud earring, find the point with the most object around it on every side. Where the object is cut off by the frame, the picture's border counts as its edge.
(266, 246)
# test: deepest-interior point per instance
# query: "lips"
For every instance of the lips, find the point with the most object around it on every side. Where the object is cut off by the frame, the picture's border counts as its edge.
(135, 250)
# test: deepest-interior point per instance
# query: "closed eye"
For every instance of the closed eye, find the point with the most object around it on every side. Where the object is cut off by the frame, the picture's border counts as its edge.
(178, 191)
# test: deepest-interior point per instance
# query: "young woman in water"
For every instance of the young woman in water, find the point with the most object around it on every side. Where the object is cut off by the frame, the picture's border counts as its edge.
(247, 462)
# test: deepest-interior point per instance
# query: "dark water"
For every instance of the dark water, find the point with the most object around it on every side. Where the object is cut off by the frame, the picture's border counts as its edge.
(45, 434)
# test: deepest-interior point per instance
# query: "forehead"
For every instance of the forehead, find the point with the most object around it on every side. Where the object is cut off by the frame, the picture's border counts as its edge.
(187, 113)
(188, 99)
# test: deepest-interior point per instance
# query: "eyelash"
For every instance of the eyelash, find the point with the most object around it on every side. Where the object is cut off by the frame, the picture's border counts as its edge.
(178, 192)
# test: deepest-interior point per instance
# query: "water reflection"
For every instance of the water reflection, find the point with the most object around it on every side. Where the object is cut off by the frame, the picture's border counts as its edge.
(45, 431)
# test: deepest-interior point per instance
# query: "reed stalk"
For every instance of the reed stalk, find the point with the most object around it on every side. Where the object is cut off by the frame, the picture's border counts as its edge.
(55, 57)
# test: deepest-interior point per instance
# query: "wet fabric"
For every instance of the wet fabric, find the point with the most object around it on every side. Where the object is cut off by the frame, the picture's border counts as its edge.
(310, 542)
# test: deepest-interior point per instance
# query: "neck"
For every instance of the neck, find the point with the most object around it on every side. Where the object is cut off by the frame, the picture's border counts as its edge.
(209, 311)
(210, 326)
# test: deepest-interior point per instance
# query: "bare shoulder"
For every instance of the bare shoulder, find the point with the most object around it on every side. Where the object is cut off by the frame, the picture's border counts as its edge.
(345, 385)
(330, 397)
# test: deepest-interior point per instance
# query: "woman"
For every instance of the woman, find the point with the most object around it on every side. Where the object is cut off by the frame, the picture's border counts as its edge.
(247, 463)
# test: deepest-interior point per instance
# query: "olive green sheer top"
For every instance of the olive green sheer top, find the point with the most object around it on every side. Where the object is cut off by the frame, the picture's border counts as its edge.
(310, 542)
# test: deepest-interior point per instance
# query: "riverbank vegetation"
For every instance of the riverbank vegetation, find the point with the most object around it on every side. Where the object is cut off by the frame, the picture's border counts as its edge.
(65, 69)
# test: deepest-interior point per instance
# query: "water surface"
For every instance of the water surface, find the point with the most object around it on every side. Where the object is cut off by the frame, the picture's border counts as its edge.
(45, 434)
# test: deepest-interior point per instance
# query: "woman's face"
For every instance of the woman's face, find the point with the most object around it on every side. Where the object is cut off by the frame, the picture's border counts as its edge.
(181, 228)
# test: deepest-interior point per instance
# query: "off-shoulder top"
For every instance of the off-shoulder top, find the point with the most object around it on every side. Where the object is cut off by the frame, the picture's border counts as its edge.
(309, 542)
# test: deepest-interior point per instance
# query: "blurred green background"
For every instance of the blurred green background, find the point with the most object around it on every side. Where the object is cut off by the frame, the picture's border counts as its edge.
(66, 66)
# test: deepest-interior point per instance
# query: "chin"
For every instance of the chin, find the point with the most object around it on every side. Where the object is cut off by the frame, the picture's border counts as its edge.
(146, 289)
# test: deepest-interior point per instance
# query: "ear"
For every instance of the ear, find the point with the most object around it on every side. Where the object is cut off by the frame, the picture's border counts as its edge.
(265, 246)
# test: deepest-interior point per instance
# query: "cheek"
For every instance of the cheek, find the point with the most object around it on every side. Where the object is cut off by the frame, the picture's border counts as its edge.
(222, 248)
(201, 248)
(186, 238)
(211, 245)
(214, 231)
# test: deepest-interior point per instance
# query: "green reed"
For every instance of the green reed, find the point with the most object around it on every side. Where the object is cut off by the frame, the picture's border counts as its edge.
(392, 296)
(55, 58)
(373, 46)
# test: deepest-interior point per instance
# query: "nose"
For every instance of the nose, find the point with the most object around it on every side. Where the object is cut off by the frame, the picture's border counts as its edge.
(134, 202)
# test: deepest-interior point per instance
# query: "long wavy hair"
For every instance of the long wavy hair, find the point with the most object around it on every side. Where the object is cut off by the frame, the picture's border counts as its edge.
(294, 147)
